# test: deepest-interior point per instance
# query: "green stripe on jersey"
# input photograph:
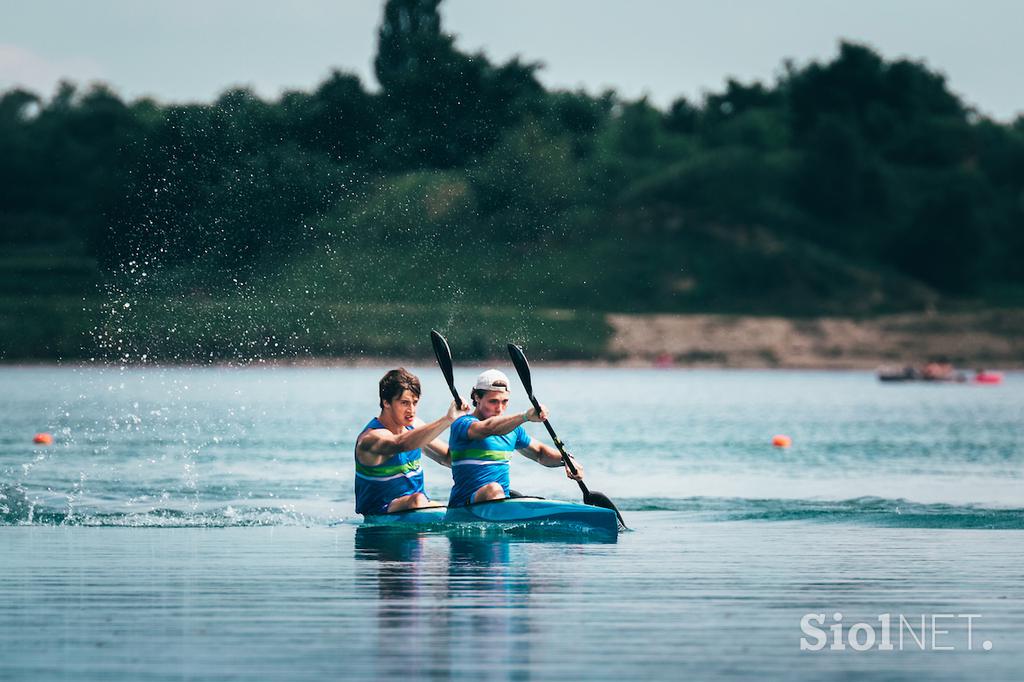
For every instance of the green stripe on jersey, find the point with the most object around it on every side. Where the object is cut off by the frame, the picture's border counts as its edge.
(382, 472)
(486, 455)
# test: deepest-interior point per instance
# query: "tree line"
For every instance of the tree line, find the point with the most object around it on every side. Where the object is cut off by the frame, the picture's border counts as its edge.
(842, 180)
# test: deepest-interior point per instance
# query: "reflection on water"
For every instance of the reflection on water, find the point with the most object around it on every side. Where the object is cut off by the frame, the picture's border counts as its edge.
(388, 544)
(456, 600)
(395, 568)
(491, 592)
(675, 599)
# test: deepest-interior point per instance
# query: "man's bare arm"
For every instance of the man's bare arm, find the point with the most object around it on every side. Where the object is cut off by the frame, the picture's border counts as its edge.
(550, 457)
(506, 423)
(437, 450)
(379, 444)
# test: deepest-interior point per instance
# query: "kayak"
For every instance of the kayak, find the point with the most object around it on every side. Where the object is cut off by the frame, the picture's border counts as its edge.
(512, 511)
(536, 510)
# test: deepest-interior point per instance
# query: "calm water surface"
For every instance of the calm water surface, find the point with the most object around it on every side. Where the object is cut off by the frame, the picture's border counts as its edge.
(197, 524)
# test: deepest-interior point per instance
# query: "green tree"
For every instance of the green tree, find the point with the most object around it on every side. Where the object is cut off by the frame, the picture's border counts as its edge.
(443, 108)
(943, 241)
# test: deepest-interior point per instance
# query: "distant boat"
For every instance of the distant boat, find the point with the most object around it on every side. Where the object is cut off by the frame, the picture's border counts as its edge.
(907, 373)
(933, 372)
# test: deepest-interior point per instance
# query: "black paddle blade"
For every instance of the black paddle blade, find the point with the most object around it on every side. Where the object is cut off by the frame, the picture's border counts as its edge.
(597, 499)
(522, 367)
(444, 360)
(443, 354)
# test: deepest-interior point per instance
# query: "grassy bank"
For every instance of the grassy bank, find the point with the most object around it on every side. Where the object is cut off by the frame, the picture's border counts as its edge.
(237, 330)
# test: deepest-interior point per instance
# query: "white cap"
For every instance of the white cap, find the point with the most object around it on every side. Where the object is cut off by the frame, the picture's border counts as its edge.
(491, 380)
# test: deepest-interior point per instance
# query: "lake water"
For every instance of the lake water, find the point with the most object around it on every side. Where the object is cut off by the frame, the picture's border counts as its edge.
(198, 524)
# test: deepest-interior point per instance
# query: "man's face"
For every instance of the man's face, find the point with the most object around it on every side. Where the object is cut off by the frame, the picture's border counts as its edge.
(492, 404)
(403, 408)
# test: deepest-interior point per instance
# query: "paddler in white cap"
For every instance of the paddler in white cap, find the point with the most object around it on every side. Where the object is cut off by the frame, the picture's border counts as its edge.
(482, 442)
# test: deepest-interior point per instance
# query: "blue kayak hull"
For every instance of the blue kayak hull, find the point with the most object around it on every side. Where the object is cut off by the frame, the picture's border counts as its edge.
(512, 511)
(533, 510)
(410, 517)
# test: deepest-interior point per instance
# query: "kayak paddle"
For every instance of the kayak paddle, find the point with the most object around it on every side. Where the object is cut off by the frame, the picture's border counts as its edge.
(444, 361)
(591, 497)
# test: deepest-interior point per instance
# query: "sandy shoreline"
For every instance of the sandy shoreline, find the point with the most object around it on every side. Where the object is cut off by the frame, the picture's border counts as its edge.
(993, 338)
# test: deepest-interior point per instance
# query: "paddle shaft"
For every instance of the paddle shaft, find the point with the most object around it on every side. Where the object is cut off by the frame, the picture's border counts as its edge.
(566, 460)
(455, 394)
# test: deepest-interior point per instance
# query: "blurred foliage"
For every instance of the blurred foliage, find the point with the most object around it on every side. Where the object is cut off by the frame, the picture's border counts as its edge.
(853, 186)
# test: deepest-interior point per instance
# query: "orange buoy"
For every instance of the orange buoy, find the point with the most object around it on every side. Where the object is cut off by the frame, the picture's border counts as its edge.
(43, 439)
(781, 441)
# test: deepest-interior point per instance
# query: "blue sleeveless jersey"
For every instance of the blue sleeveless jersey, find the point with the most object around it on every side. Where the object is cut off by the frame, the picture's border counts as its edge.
(475, 463)
(397, 476)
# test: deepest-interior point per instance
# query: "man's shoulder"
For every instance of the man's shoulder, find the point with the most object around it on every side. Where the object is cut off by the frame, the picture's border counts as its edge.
(460, 427)
(373, 426)
(521, 436)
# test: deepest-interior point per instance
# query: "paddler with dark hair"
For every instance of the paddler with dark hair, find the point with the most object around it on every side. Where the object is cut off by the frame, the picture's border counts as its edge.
(481, 443)
(389, 448)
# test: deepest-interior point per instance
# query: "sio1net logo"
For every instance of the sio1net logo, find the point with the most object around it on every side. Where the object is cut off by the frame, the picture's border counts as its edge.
(922, 632)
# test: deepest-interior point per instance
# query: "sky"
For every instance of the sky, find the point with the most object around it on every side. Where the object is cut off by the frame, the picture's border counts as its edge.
(191, 50)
